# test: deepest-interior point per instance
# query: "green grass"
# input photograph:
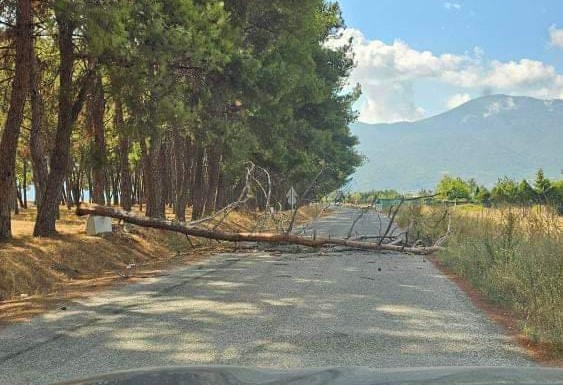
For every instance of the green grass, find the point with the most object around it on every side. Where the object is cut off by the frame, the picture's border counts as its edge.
(513, 256)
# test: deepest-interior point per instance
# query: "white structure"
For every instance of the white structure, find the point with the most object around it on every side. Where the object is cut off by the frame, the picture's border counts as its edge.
(98, 225)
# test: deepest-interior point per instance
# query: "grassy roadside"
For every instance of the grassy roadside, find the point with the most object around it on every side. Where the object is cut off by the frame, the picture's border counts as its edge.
(512, 256)
(36, 271)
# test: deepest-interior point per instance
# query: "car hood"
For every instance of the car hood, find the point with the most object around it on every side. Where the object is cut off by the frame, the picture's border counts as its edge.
(232, 375)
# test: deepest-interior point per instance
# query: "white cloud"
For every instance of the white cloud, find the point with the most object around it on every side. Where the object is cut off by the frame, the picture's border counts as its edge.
(556, 36)
(389, 73)
(452, 6)
(497, 107)
(457, 100)
(530, 77)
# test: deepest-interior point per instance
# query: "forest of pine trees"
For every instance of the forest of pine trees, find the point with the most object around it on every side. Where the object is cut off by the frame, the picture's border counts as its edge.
(162, 103)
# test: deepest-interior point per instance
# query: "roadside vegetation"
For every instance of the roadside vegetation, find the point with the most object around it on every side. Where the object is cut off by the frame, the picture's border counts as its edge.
(512, 255)
(508, 245)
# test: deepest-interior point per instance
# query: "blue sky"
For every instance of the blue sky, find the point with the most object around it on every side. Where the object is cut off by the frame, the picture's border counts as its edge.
(417, 58)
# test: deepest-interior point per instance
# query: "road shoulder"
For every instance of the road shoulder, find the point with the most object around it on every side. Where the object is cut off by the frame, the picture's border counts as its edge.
(502, 316)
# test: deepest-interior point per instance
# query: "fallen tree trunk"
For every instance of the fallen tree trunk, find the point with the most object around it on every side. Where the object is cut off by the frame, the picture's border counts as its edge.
(244, 237)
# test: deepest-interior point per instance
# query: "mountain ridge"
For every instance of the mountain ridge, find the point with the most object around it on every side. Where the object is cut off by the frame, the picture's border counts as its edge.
(484, 138)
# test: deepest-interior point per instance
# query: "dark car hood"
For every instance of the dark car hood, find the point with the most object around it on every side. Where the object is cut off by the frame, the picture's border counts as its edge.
(232, 375)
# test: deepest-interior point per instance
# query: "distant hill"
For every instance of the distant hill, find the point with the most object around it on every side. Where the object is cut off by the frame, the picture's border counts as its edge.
(484, 138)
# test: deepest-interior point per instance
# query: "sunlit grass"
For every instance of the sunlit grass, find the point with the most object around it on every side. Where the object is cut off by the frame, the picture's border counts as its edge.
(513, 255)
(37, 266)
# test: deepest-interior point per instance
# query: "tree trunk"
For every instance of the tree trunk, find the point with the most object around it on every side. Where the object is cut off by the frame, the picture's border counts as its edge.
(15, 195)
(116, 182)
(152, 178)
(213, 171)
(67, 115)
(96, 123)
(24, 183)
(181, 175)
(161, 175)
(198, 187)
(19, 198)
(221, 193)
(10, 136)
(37, 145)
(89, 179)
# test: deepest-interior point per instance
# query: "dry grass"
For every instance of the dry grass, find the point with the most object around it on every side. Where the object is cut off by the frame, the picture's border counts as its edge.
(32, 266)
(514, 256)
(37, 271)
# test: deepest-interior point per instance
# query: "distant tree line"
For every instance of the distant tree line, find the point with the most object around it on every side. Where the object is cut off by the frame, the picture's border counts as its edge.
(368, 197)
(506, 191)
(164, 102)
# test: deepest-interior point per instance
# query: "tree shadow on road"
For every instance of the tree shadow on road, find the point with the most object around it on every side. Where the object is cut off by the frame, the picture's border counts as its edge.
(402, 316)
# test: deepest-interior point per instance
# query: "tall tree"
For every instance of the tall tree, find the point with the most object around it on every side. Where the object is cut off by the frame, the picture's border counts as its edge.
(20, 86)
(542, 186)
(68, 109)
(96, 107)
(37, 137)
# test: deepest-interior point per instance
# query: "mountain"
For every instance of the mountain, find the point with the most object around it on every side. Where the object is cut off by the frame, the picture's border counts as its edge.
(485, 138)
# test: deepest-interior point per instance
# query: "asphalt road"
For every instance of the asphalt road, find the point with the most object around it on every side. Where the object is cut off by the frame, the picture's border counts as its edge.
(274, 308)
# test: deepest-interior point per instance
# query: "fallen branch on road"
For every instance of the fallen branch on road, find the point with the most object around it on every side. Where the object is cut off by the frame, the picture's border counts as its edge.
(283, 238)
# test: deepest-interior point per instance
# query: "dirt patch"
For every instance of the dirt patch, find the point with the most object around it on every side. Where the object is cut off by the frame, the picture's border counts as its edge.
(506, 318)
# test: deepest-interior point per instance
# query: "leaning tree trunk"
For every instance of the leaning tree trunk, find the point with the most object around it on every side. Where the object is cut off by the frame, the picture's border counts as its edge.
(37, 145)
(10, 136)
(67, 115)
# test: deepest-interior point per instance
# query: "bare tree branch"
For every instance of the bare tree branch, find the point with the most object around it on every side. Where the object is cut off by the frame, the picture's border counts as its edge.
(303, 199)
(392, 219)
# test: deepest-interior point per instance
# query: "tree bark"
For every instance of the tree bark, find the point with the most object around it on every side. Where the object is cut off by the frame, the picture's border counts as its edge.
(246, 237)
(24, 183)
(161, 175)
(67, 115)
(96, 120)
(151, 178)
(213, 172)
(16, 198)
(10, 136)
(125, 174)
(37, 145)
(182, 165)
(198, 187)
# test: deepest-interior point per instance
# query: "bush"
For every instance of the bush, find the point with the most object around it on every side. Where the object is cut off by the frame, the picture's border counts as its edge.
(453, 188)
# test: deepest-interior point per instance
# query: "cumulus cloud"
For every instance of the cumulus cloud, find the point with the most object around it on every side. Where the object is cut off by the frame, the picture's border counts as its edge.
(532, 77)
(452, 6)
(457, 100)
(388, 74)
(497, 107)
(556, 36)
